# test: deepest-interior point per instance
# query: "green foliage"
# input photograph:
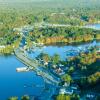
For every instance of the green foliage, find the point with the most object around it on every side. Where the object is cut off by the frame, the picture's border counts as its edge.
(94, 78)
(56, 58)
(87, 59)
(71, 34)
(45, 57)
(75, 97)
(71, 69)
(67, 78)
(67, 97)
(13, 98)
(62, 97)
(25, 97)
(98, 98)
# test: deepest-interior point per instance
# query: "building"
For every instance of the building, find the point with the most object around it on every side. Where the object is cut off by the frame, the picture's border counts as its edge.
(2, 46)
(62, 91)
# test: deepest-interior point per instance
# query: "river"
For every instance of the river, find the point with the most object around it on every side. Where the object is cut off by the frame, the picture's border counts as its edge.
(18, 84)
(13, 83)
(93, 26)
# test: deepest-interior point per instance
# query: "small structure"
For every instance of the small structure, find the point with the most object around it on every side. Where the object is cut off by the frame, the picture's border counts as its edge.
(90, 96)
(62, 91)
(65, 84)
(2, 46)
(98, 51)
(69, 91)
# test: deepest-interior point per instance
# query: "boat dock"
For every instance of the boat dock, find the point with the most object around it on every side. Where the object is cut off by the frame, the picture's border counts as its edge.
(34, 65)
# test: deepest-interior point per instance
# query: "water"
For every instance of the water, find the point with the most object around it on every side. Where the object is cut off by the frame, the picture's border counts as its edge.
(64, 51)
(94, 26)
(14, 84)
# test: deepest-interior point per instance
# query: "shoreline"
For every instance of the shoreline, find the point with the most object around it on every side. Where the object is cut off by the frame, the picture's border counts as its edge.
(54, 44)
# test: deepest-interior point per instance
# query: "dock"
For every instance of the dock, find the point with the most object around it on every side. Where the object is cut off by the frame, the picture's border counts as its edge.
(34, 65)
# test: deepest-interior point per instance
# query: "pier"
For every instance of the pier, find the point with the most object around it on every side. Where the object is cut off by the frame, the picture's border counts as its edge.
(33, 64)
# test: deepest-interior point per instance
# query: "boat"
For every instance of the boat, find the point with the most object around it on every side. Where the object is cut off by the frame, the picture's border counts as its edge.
(22, 69)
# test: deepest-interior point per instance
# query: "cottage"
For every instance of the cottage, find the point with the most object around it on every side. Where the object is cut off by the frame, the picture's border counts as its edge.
(59, 70)
(90, 96)
(45, 63)
(2, 46)
(54, 66)
(62, 91)
(69, 91)
(66, 84)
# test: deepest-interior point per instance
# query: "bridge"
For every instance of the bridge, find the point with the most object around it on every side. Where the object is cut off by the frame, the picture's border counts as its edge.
(34, 65)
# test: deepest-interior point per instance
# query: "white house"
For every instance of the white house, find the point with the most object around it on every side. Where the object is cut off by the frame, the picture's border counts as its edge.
(2, 46)
(62, 91)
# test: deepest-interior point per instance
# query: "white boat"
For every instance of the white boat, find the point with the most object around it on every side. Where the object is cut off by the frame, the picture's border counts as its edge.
(22, 69)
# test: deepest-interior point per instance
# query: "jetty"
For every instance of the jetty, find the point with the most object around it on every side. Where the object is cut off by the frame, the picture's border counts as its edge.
(33, 64)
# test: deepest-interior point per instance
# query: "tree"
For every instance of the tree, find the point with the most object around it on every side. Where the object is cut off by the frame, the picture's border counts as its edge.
(94, 78)
(71, 69)
(63, 97)
(67, 78)
(13, 98)
(56, 58)
(75, 97)
(25, 97)
(98, 97)
(45, 57)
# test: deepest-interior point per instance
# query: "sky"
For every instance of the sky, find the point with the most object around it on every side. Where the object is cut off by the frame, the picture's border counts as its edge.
(27, 0)
(35, 0)
(21, 0)
(48, 0)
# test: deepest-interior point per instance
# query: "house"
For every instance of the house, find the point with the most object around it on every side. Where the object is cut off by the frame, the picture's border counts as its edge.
(91, 96)
(45, 63)
(98, 51)
(62, 91)
(2, 46)
(61, 65)
(59, 71)
(69, 91)
(54, 66)
(65, 84)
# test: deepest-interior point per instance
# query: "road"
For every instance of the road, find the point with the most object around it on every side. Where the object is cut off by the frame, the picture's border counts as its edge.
(33, 64)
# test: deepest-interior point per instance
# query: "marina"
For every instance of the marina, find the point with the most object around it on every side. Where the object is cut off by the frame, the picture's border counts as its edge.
(33, 73)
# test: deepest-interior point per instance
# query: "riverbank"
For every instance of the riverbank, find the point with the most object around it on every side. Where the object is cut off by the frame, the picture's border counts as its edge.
(9, 49)
(68, 35)
(26, 80)
(69, 41)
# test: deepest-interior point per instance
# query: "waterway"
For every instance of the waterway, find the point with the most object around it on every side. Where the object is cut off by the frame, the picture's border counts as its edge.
(18, 84)
(63, 50)
(93, 26)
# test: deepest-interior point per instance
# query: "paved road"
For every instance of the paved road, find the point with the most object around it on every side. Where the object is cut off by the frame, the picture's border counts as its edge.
(35, 66)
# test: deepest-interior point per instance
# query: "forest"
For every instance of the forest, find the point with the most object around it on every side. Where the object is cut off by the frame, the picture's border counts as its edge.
(33, 11)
